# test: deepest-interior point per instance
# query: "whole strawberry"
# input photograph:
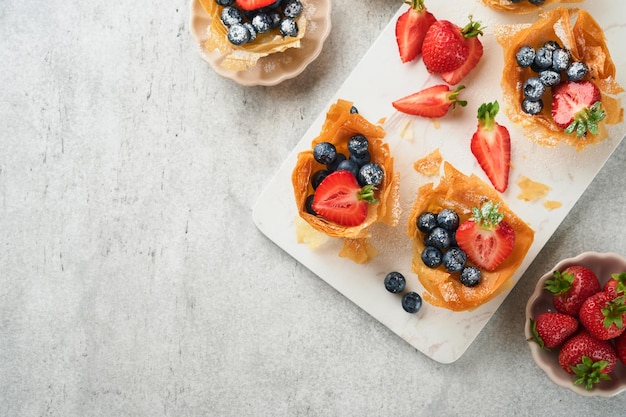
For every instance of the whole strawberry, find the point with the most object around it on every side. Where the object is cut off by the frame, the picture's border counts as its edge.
(616, 283)
(452, 51)
(571, 287)
(604, 315)
(550, 329)
(590, 359)
(620, 347)
(411, 28)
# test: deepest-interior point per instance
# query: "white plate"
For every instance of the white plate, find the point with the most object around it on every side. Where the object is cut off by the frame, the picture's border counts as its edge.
(379, 79)
(275, 68)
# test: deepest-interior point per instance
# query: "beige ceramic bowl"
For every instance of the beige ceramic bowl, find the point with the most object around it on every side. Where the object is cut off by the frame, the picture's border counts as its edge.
(275, 68)
(603, 265)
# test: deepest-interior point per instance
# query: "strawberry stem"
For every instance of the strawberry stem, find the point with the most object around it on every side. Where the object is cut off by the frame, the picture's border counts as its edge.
(590, 372)
(417, 5)
(613, 312)
(487, 114)
(487, 216)
(561, 283)
(587, 120)
(367, 194)
(472, 29)
(453, 97)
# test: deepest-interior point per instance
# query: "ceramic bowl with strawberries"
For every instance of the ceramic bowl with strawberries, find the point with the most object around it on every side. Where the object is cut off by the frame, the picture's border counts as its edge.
(576, 320)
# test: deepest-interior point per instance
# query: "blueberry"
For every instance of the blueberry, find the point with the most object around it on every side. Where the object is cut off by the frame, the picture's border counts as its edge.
(308, 205)
(358, 144)
(354, 110)
(525, 56)
(454, 259)
(288, 27)
(361, 159)
(251, 30)
(432, 257)
(532, 107)
(225, 3)
(318, 177)
(335, 163)
(350, 166)
(552, 45)
(549, 78)
(411, 302)
(292, 8)
(533, 88)
(537, 2)
(543, 58)
(395, 282)
(448, 219)
(470, 276)
(576, 71)
(371, 174)
(275, 17)
(238, 34)
(515, 1)
(560, 59)
(262, 22)
(230, 16)
(426, 222)
(439, 238)
(324, 152)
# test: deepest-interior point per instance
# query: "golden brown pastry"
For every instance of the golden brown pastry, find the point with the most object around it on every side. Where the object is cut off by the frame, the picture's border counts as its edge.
(521, 7)
(577, 31)
(339, 126)
(461, 193)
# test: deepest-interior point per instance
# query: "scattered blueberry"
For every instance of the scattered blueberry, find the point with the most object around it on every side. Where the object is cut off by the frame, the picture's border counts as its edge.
(224, 2)
(350, 166)
(525, 56)
(361, 159)
(292, 8)
(470, 276)
(432, 257)
(454, 259)
(318, 177)
(549, 77)
(439, 238)
(395, 282)
(308, 205)
(358, 144)
(262, 22)
(230, 16)
(552, 45)
(560, 59)
(324, 152)
(332, 166)
(426, 222)
(238, 34)
(543, 58)
(532, 107)
(576, 71)
(251, 30)
(533, 88)
(411, 302)
(371, 174)
(448, 219)
(354, 110)
(537, 2)
(288, 27)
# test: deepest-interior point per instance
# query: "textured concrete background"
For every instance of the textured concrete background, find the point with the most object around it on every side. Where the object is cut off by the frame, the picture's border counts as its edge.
(132, 279)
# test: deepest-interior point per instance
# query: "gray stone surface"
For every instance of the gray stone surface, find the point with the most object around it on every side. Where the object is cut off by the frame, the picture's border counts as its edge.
(133, 281)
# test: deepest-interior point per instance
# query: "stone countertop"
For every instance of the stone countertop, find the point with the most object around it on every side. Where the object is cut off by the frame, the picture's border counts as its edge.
(133, 281)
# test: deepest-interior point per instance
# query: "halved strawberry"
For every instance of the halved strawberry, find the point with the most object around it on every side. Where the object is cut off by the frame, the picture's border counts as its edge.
(446, 47)
(254, 4)
(431, 102)
(486, 238)
(576, 107)
(340, 199)
(491, 145)
(474, 55)
(411, 29)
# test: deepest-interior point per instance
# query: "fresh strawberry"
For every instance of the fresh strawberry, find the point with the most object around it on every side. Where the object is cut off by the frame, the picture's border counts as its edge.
(340, 199)
(620, 347)
(411, 29)
(486, 238)
(616, 283)
(446, 47)
(571, 287)
(590, 359)
(576, 107)
(475, 53)
(431, 102)
(254, 4)
(491, 145)
(551, 329)
(604, 315)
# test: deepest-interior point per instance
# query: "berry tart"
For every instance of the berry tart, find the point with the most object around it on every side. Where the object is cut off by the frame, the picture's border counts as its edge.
(467, 243)
(345, 182)
(243, 31)
(558, 79)
(522, 6)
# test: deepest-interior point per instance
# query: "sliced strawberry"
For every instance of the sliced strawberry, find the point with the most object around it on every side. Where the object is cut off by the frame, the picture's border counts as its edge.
(340, 199)
(254, 4)
(491, 145)
(576, 107)
(446, 47)
(411, 29)
(431, 102)
(475, 53)
(486, 238)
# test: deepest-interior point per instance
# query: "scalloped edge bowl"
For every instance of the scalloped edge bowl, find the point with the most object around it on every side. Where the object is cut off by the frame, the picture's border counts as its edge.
(275, 68)
(603, 265)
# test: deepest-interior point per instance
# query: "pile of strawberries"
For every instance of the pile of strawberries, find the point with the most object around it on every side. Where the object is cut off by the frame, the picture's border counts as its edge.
(589, 325)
